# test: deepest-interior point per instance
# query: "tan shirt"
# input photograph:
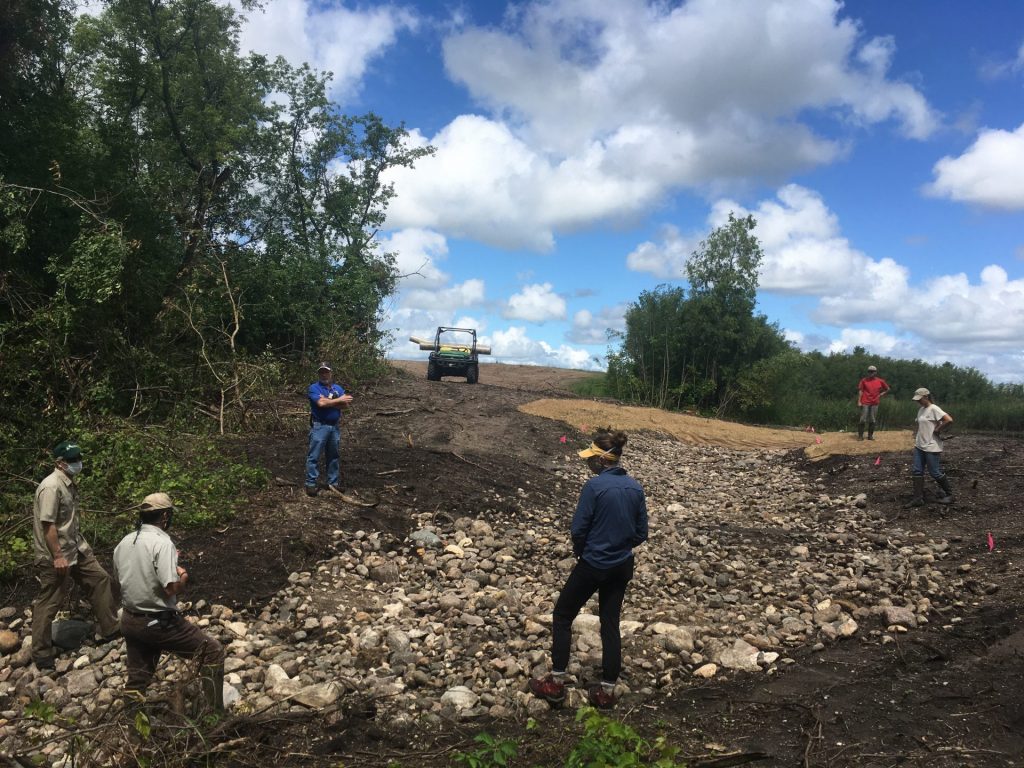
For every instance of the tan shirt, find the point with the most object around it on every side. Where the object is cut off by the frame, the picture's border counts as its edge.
(56, 502)
(145, 563)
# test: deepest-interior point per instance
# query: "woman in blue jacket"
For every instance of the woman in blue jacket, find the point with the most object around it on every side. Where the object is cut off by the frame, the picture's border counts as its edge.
(610, 519)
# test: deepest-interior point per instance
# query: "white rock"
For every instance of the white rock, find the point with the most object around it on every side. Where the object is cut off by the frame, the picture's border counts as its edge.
(460, 697)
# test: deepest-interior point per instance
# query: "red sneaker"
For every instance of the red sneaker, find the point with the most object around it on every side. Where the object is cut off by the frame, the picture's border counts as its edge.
(549, 689)
(601, 697)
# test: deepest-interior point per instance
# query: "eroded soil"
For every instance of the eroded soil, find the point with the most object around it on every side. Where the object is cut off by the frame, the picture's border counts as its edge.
(947, 694)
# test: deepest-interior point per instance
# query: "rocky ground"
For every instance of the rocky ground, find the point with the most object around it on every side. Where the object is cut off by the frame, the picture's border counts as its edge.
(781, 608)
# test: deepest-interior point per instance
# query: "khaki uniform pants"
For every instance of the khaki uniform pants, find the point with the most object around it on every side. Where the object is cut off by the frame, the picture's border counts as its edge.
(147, 637)
(91, 579)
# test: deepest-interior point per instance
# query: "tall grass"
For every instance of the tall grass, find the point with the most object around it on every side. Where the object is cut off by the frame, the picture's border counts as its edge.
(1003, 413)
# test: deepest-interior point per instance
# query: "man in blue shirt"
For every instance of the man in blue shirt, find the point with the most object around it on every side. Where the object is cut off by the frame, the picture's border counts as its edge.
(610, 519)
(326, 402)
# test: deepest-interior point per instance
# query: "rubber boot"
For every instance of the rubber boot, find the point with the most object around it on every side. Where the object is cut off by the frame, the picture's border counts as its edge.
(860, 430)
(947, 493)
(871, 431)
(918, 500)
(213, 686)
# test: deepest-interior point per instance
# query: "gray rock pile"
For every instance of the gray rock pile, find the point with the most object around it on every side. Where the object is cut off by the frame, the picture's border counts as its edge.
(749, 564)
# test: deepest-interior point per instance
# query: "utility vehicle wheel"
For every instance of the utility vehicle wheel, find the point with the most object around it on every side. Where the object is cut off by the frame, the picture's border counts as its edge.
(472, 374)
(432, 373)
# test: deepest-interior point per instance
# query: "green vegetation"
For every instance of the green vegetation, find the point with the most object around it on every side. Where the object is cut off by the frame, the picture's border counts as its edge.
(604, 743)
(708, 350)
(182, 230)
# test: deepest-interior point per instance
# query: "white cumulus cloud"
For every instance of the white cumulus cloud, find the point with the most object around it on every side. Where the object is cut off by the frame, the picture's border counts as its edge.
(989, 173)
(330, 37)
(514, 345)
(417, 253)
(637, 99)
(590, 328)
(536, 303)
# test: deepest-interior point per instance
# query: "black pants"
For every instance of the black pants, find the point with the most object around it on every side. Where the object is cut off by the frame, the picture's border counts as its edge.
(583, 582)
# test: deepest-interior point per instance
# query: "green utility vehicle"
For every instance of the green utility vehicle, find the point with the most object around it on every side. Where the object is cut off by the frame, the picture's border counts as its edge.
(454, 354)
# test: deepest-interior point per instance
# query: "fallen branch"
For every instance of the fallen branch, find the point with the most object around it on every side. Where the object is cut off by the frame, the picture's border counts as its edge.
(394, 413)
(724, 761)
(352, 499)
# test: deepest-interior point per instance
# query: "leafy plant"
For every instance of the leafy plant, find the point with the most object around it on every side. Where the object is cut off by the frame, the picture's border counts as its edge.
(492, 753)
(37, 709)
(608, 743)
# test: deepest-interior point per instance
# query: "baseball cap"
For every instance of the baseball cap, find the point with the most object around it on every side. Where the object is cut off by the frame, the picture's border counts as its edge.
(872, 368)
(157, 501)
(920, 392)
(323, 367)
(67, 451)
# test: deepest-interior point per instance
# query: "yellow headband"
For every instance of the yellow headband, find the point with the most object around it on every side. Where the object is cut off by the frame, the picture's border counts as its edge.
(596, 450)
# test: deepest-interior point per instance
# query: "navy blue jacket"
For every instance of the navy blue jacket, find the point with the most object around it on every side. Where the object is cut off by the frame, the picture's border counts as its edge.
(610, 519)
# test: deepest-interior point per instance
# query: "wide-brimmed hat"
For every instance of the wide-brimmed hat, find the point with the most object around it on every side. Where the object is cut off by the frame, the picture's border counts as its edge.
(920, 392)
(156, 501)
(67, 451)
(871, 369)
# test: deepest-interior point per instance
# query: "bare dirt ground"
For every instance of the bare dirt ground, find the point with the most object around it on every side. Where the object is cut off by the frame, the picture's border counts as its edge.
(947, 694)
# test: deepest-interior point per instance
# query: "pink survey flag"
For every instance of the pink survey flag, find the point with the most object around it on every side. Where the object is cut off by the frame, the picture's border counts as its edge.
(878, 460)
(991, 542)
(817, 440)
(562, 439)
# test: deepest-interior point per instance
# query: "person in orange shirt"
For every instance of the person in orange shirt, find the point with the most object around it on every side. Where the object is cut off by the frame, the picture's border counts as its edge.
(870, 391)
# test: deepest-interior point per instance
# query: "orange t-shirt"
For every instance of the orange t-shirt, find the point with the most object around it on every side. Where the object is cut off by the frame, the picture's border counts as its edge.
(871, 390)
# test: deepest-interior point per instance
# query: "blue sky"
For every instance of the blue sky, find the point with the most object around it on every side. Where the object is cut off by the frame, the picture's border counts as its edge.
(585, 147)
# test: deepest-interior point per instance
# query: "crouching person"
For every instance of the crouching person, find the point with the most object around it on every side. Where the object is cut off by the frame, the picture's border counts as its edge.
(146, 565)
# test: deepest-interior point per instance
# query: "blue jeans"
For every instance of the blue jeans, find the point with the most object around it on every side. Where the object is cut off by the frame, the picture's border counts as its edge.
(929, 459)
(323, 437)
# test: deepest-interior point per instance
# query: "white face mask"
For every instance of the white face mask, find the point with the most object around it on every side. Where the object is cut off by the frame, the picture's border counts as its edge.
(74, 467)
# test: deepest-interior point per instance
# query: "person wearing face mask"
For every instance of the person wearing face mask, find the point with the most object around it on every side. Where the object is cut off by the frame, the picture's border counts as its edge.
(610, 519)
(62, 554)
(146, 566)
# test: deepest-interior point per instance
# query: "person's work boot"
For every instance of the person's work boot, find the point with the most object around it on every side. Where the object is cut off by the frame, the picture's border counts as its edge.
(918, 500)
(44, 662)
(549, 689)
(871, 432)
(601, 696)
(947, 492)
(311, 490)
(860, 431)
(213, 686)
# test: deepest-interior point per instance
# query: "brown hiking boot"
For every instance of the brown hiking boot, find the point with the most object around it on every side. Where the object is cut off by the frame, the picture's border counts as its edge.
(601, 697)
(549, 689)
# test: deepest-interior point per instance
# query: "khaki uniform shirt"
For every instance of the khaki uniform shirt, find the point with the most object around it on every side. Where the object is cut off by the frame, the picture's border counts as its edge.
(145, 563)
(56, 502)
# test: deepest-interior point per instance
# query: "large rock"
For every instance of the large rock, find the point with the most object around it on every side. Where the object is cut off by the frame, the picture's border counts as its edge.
(742, 656)
(895, 614)
(80, 682)
(9, 642)
(318, 696)
(460, 697)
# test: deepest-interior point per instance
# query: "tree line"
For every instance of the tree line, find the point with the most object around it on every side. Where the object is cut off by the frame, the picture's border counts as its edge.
(181, 224)
(173, 213)
(706, 348)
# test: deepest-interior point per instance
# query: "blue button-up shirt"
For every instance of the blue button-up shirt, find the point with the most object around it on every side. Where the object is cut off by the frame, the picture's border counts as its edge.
(610, 519)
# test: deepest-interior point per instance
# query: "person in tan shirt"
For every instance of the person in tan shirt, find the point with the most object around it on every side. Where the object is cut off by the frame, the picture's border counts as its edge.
(62, 554)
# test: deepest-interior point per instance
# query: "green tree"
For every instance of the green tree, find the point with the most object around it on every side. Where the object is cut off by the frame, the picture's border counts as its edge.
(681, 349)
